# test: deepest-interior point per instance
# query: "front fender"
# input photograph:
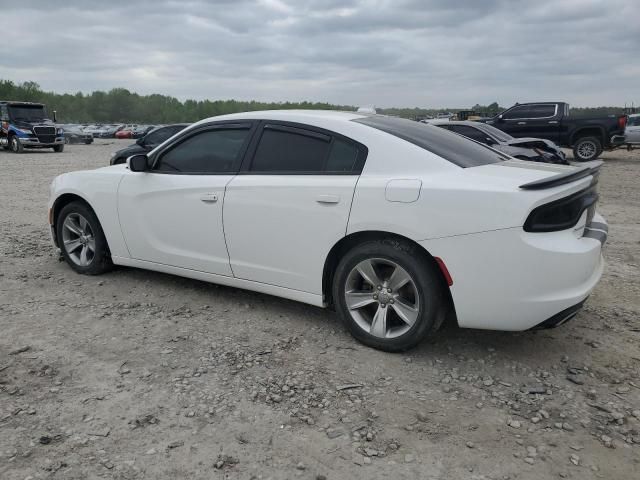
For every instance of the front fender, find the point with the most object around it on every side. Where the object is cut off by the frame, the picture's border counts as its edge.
(99, 189)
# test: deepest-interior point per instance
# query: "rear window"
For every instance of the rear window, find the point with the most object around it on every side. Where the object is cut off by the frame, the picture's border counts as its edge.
(454, 148)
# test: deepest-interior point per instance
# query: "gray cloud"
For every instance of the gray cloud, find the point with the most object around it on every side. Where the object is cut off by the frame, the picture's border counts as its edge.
(383, 52)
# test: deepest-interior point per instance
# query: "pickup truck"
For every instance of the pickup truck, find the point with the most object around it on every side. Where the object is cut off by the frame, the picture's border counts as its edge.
(588, 137)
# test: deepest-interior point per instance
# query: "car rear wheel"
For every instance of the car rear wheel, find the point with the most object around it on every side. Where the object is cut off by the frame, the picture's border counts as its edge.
(81, 240)
(587, 148)
(15, 144)
(388, 296)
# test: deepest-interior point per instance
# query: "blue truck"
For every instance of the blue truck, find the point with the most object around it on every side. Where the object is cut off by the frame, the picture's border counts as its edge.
(27, 125)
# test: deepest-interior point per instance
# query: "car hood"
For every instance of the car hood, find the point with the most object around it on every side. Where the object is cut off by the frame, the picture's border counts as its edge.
(131, 150)
(530, 142)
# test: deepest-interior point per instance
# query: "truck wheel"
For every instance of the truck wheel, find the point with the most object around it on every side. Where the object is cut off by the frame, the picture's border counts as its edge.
(59, 148)
(587, 148)
(15, 144)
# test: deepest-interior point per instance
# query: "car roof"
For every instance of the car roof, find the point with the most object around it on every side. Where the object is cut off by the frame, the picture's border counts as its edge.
(17, 102)
(457, 122)
(301, 116)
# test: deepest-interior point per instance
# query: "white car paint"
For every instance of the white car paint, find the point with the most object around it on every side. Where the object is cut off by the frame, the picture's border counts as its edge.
(632, 130)
(272, 233)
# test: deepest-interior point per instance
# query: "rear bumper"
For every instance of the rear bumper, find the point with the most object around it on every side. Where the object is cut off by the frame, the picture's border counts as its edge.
(513, 280)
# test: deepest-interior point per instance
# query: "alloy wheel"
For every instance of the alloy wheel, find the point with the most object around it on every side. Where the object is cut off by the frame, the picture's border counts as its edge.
(587, 150)
(382, 298)
(78, 239)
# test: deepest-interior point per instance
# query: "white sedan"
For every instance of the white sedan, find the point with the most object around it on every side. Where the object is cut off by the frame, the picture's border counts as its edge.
(393, 223)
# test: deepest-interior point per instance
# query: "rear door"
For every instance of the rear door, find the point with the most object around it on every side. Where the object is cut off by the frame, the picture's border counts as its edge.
(290, 204)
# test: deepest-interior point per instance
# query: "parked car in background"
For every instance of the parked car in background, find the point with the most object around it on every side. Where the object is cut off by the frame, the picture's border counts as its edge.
(109, 131)
(632, 130)
(125, 132)
(395, 224)
(94, 129)
(534, 149)
(588, 137)
(142, 130)
(74, 134)
(147, 143)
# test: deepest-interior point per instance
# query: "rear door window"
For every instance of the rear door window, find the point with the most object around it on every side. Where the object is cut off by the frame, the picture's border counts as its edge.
(286, 149)
(290, 150)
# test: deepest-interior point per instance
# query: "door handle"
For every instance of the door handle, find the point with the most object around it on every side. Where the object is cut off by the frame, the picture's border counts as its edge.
(522, 123)
(553, 121)
(209, 198)
(328, 199)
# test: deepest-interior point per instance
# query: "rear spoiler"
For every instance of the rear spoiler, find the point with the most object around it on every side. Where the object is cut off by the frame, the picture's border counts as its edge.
(592, 169)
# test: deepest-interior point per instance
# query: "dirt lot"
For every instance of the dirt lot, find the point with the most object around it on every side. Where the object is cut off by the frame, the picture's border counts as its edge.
(143, 375)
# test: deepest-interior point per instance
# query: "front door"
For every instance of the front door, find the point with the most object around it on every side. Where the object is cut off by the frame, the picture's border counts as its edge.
(284, 212)
(172, 214)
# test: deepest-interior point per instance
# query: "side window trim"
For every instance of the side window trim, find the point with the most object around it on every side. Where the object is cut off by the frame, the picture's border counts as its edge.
(242, 125)
(307, 130)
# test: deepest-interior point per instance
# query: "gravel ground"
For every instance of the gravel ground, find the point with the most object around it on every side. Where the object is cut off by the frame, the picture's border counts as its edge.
(138, 374)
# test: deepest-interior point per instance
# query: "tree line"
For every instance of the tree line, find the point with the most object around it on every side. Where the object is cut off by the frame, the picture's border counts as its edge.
(121, 105)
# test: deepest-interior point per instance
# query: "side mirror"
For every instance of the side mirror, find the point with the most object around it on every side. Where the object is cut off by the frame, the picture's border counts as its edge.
(140, 141)
(138, 163)
(500, 119)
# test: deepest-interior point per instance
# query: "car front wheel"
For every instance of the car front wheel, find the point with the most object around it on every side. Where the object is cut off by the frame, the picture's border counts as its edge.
(81, 240)
(388, 295)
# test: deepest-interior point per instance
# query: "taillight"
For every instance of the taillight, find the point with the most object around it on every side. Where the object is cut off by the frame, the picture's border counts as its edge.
(622, 122)
(560, 214)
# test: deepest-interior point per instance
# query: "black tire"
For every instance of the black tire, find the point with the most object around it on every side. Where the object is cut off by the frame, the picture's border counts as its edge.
(101, 259)
(587, 148)
(59, 148)
(15, 145)
(428, 282)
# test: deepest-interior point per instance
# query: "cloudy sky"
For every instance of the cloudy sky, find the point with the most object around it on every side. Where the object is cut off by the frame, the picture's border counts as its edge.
(428, 53)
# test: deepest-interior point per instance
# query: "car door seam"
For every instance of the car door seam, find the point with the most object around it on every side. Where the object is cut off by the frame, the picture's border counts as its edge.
(124, 237)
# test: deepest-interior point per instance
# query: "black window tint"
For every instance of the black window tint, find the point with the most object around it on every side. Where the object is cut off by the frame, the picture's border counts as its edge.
(158, 136)
(447, 145)
(343, 156)
(289, 151)
(470, 132)
(541, 111)
(211, 151)
(517, 112)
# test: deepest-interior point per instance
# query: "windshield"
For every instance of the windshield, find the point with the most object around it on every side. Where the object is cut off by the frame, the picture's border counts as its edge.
(452, 147)
(499, 134)
(27, 113)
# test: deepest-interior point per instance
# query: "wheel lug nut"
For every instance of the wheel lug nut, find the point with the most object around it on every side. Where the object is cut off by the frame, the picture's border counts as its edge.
(388, 290)
(375, 297)
(383, 305)
(391, 301)
(379, 287)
